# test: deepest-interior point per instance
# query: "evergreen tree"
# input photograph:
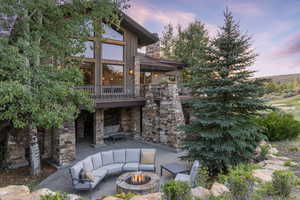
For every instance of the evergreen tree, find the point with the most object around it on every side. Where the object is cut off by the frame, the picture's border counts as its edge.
(167, 41)
(226, 97)
(37, 76)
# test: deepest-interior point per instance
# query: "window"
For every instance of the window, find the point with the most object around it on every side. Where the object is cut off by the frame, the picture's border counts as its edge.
(89, 50)
(113, 34)
(90, 27)
(113, 75)
(112, 52)
(88, 70)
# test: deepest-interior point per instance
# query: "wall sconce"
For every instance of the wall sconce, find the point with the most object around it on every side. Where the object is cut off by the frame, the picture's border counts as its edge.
(155, 75)
(131, 71)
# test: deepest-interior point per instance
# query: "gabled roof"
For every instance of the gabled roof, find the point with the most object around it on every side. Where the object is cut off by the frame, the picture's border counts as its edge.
(144, 36)
(158, 64)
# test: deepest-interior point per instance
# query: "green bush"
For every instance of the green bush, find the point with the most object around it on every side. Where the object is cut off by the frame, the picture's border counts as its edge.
(203, 178)
(56, 196)
(279, 126)
(264, 152)
(240, 181)
(176, 190)
(283, 182)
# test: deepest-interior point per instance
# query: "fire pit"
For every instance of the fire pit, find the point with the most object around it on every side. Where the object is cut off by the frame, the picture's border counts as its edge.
(138, 182)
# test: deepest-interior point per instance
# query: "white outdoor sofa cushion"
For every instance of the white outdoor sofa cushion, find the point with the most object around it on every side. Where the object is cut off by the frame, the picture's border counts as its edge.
(107, 163)
(191, 178)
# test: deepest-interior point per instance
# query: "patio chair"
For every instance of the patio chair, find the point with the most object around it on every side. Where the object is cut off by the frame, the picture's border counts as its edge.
(190, 178)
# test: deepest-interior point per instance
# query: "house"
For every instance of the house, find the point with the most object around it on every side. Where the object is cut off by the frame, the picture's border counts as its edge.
(134, 94)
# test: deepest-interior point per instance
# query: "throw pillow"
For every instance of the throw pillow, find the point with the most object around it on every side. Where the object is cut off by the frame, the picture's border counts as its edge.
(147, 158)
(86, 175)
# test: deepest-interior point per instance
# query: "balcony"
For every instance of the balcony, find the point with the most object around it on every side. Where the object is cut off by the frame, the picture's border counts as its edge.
(101, 93)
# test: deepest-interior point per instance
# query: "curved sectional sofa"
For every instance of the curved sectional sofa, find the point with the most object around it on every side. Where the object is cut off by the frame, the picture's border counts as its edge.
(111, 162)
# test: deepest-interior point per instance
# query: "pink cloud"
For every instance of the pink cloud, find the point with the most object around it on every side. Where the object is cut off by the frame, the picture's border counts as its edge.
(145, 12)
(288, 47)
(246, 8)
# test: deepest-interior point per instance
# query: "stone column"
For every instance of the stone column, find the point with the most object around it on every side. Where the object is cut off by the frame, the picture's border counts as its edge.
(35, 160)
(171, 116)
(150, 117)
(98, 127)
(136, 121)
(64, 144)
(137, 75)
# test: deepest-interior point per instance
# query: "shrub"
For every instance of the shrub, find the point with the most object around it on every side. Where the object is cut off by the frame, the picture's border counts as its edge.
(240, 181)
(125, 196)
(264, 152)
(283, 182)
(279, 126)
(203, 178)
(56, 196)
(176, 190)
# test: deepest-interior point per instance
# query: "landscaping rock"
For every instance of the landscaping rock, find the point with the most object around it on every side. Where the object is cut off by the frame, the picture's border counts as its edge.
(218, 189)
(273, 150)
(111, 198)
(275, 167)
(264, 175)
(37, 194)
(201, 193)
(14, 192)
(73, 197)
(273, 157)
(152, 196)
(274, 162)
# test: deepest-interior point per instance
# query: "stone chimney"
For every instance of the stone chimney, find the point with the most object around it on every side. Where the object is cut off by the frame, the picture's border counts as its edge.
(154, 50)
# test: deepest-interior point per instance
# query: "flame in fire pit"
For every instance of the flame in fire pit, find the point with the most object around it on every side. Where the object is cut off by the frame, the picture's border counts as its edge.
(138, 178)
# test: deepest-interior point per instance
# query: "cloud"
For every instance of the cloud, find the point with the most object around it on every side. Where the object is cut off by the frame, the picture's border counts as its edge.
(288, 47)
(147, 13)
(249, 9)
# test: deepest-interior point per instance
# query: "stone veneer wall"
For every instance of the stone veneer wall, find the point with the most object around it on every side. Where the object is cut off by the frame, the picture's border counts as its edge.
(171, 116)
(150, 117)
(162, 118)
(64, 144)
(15, 149)
(98, 127)
(131, 121)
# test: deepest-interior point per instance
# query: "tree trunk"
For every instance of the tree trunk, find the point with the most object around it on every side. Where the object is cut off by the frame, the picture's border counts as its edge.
(35, 159)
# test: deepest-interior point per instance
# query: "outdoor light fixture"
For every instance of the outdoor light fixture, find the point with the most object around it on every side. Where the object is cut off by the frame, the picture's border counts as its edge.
(131, 72)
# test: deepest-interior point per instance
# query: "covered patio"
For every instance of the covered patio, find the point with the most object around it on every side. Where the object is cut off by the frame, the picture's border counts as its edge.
(61, 181)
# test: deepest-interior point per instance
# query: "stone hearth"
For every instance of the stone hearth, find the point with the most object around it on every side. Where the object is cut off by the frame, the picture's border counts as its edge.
(149, 186)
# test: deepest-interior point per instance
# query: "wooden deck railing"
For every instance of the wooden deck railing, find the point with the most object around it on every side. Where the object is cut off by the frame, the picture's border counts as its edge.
(114, 92)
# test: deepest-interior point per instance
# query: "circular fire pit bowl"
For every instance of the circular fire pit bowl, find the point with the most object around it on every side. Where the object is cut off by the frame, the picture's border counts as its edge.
(138, 182)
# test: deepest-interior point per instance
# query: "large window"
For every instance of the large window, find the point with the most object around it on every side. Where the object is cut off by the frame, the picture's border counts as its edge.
(89, 50)
(88, 70)
(113, 75)
(112, 52)
(112, 34)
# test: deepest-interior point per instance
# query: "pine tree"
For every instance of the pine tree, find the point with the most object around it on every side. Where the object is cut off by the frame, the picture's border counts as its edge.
(37, 76)
(226, 97)
(167, 41)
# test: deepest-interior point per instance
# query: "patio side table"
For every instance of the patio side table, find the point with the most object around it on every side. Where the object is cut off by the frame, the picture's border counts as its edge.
(174, 168)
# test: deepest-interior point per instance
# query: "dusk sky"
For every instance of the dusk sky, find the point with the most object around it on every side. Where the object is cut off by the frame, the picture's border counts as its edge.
(273, 24)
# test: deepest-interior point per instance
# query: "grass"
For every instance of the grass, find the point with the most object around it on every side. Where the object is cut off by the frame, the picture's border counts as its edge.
(290, 105)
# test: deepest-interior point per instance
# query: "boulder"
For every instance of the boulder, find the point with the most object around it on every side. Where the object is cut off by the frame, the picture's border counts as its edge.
(275, 167)
(111, 198)
(14, 192)
(274, 162)
(152, 196)
(264, 175)
(273, 150)
(36, 195)
(201, 193)
(218, 189)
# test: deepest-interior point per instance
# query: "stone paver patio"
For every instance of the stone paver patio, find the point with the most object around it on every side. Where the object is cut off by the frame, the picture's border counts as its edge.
(61, 181)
